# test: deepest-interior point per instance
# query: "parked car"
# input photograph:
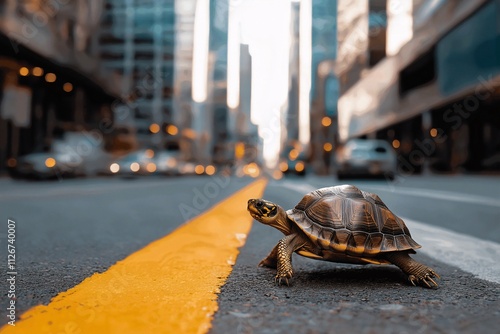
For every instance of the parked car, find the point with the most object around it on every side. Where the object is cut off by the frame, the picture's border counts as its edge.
(366, 157)
(89, 147)
(46, 165)
(167, 163)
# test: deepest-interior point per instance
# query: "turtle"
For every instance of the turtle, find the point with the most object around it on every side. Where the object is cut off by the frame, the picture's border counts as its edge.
(340, 224)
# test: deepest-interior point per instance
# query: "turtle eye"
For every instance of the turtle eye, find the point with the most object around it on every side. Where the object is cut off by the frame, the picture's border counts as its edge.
(259, 204)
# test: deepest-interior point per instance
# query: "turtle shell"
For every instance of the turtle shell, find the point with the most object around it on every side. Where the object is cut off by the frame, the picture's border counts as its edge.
(347, 220)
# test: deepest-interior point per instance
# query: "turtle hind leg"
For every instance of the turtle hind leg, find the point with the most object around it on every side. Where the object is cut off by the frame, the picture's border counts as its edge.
(271, 261)
(417, 272)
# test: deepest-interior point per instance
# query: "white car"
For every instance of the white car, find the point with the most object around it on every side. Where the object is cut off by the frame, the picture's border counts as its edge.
(167, 163)
(366, 157)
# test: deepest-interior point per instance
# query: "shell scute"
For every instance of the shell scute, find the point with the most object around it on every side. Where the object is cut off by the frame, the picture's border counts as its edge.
(326, 238)
(388, 243)
(356, 243)
(326, 212)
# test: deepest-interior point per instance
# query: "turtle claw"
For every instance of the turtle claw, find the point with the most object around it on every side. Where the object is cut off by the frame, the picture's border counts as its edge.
(278, 280)
(283, 277)
(433, 282)
(425, 279)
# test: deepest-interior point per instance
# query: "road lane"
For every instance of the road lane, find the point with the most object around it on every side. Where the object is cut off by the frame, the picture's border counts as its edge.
(328, 297)
(67, 231)
(170, 286)
(88, 226)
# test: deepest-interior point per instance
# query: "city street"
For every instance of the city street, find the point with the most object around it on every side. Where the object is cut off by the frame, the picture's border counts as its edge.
(149, 150)
(68, 230)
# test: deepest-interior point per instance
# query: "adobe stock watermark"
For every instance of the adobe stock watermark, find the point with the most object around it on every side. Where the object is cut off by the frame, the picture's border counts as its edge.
(455, 116)
(11, 272)
(204, 195)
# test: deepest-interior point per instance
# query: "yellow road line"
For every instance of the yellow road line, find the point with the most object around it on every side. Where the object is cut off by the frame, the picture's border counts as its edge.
(170, 286)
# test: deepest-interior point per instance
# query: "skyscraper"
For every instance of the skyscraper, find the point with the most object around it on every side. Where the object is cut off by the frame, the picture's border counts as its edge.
(137, 40)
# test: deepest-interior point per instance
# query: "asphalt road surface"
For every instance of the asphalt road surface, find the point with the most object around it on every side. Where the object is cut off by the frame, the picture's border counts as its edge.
(66, 231)
(335, 298)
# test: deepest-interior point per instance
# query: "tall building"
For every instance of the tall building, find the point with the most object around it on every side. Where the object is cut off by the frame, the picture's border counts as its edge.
(200, 80)
(325, 87)
(435, 96)
(136, 40)
(51, 79)
(183, 75)
(353, 38)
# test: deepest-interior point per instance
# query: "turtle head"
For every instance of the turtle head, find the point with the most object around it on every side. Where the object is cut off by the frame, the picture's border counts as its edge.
(265, 212)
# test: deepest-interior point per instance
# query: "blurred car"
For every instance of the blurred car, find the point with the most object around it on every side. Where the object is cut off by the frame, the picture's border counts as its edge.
(366, 157)
(167, 163)
(89, 147)
(46, 165)
(135, 163)
(186, 168)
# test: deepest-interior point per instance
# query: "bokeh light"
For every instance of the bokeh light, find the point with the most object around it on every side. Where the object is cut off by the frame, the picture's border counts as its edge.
(114, 168)
(134, 167)
(396, 143)
(172, 130)
(151, 167)
(154, 128)
(37, 71)
(199, 169)
(67, 87)
(50, 77)
(50, 162)
(23, 71)
(326, 121)
(210, 170)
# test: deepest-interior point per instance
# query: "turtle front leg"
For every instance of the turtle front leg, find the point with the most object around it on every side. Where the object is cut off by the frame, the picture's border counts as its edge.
(417, 272)
(285, 249)
(271, 261)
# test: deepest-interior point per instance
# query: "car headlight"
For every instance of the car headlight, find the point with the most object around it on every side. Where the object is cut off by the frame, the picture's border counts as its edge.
(134, 167)
(114, 168)
(151, 167)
